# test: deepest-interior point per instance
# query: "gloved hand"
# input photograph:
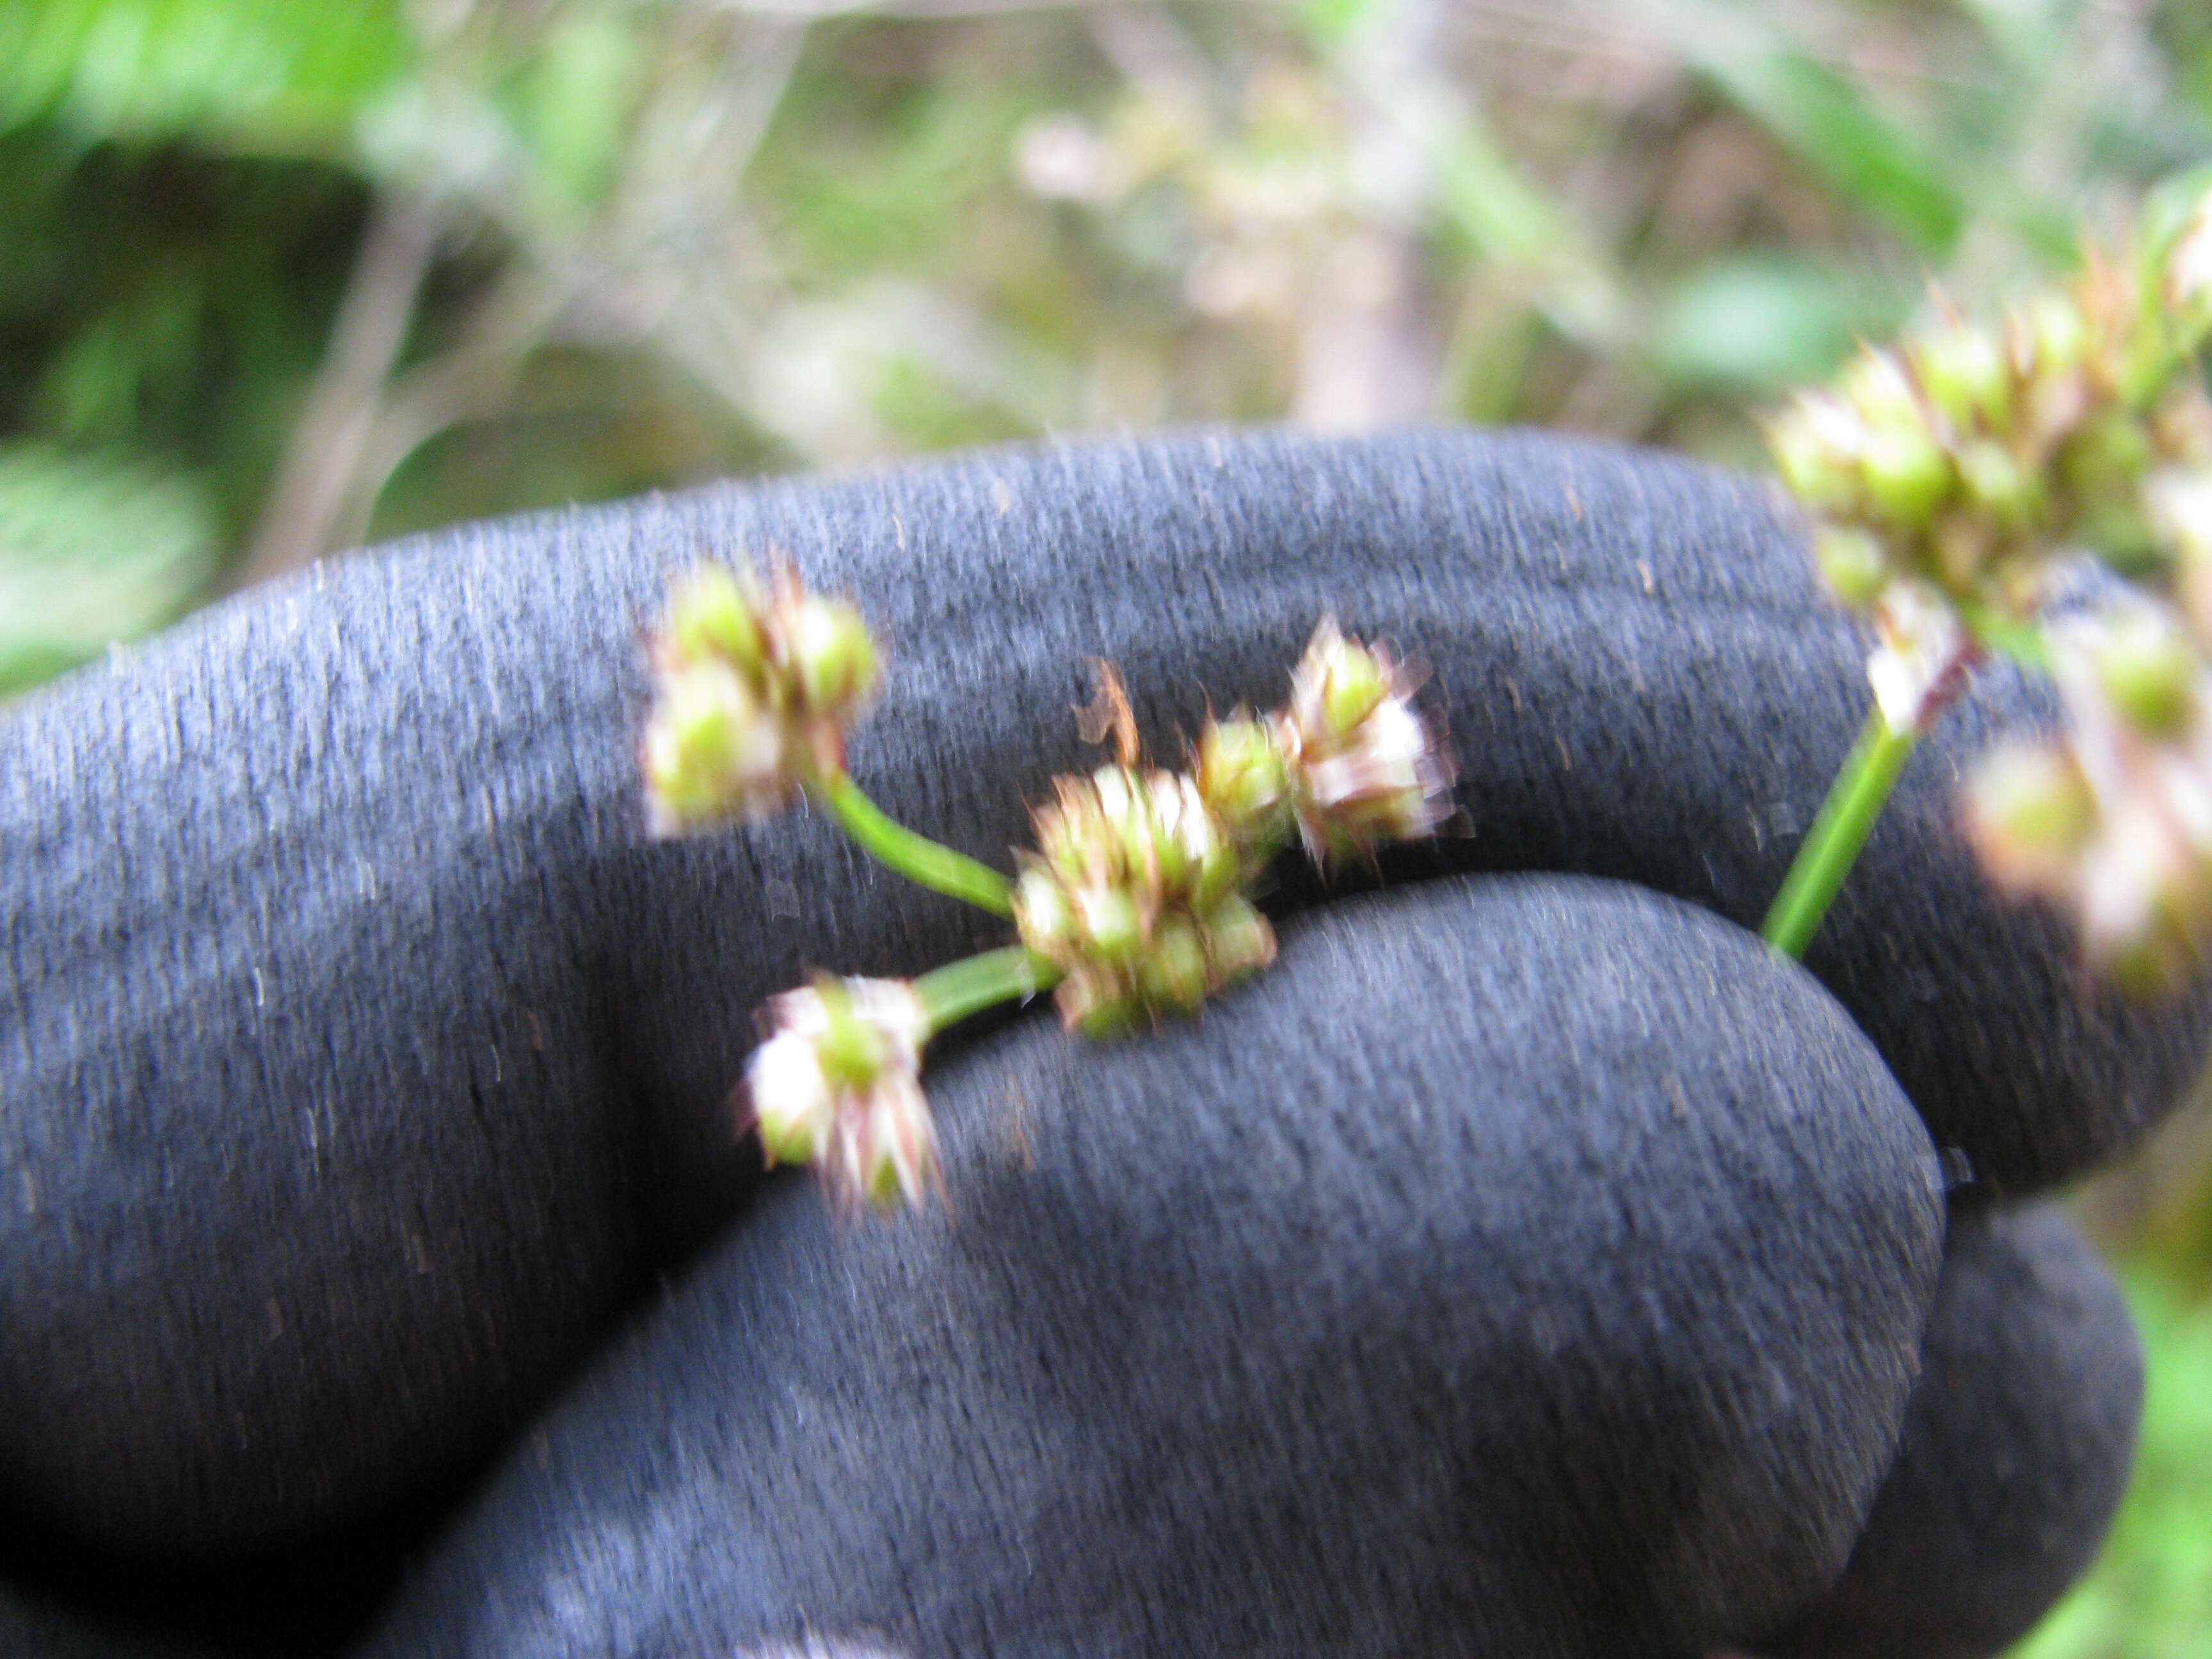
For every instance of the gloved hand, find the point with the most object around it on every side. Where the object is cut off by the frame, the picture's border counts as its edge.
(1522, 1266)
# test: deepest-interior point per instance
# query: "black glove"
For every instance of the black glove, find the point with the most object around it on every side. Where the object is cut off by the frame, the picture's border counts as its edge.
(365, 1065)
(2014, 1452)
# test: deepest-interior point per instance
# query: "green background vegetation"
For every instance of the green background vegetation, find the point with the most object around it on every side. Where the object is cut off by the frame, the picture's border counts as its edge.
(279, 277)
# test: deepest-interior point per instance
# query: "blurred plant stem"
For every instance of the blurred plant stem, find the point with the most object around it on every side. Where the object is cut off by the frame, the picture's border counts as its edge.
(960, 989)
(315, 482)
(662, 257)
(1831, 846)
(912, 855)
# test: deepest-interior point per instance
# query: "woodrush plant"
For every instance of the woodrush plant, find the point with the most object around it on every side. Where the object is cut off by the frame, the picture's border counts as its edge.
(1954, 483)
(1957, 483)
(1134, 904)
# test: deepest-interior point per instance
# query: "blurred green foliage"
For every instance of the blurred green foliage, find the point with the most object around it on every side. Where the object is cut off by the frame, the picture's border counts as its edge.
(278, 275)
(2150, 1594)
(83, 542)
(275, 78)
(336, 271)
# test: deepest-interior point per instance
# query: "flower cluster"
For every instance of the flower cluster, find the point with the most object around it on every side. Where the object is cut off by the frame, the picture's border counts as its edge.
(1969, 455)
(1949, 481)
(1135, 894)
(2113, 820)
(838, 1085)
(1365, 765)
(1139, 891)
(752, 690)
(1135, 903)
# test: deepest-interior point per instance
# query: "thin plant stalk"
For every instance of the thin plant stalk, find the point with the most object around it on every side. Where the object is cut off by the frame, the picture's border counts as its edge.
(914, 856)
(950, 993)
(305, 507)
(1831, 846)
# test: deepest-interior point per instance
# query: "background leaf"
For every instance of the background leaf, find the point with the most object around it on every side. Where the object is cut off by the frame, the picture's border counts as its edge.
(277, 77)
(93, 549)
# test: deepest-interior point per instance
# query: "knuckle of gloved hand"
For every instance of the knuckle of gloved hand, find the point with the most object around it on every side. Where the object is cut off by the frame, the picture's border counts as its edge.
(337, 919)
(1522, 1264)
(2015, 1451)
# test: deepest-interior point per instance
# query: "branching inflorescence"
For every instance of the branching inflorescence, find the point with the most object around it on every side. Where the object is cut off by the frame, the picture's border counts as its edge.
(1956, 483)
(1135, 903)
(1951, 482)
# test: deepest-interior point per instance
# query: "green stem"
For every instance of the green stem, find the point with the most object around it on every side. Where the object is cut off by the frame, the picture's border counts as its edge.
(1825, 857)
(958, 989)
(915, 857)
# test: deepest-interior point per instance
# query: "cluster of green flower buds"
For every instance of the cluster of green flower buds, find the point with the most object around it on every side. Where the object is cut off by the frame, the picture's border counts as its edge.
(2113, 822)
(1135, 903)
(1947, 480)
(1969, 454)
(753, 688)
(1136, 894)
(1140, 890)
(1245, 782)
(1364, 766)
(837, 1084)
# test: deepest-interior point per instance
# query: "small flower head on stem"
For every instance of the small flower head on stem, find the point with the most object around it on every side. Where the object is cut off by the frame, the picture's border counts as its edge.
(1365, 765)
(1970, 457)
(837, 1084)
(2113, 822)
(753, 689)
(1947, 482)
(1135, 894)
(712, 751)
(1245, 781)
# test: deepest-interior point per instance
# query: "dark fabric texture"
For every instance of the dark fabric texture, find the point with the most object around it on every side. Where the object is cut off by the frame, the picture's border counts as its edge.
(360, 1062)
(2015, 1452)
(1573, 1314)
(33, 1630)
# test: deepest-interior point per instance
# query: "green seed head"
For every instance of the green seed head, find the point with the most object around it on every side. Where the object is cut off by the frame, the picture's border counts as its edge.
(1173, 970)
(1852, 562)
(1110, 923)
(837, 1085)
(833, 655)
(1238, 939)
(1964, 374)
(1041, 913)
(2149, 668)
(1876, 387)
(789, 1136)
(710, 751)
(1906, 473)
(2030, 812)
(1356, 682)
(712, 613)
(1243, 780)
(1097, 1009)
(2055, 334)
(1815, 443)
(1996, 484)
(852, 1052)
(2106, 458)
